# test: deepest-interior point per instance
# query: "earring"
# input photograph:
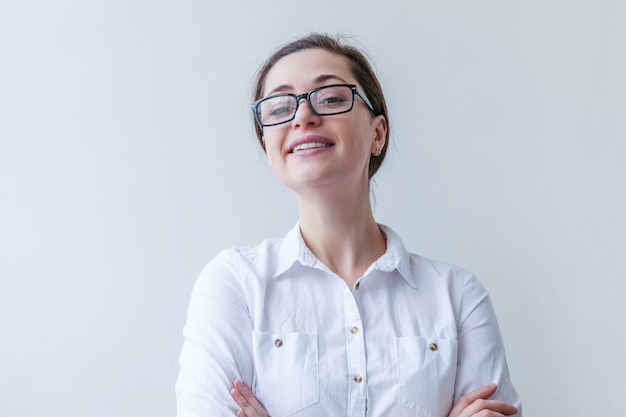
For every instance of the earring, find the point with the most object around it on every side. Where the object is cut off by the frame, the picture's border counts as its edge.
(378, 152)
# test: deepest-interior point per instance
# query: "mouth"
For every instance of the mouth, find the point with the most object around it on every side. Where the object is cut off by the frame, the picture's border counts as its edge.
(309, 142)
(310, 145)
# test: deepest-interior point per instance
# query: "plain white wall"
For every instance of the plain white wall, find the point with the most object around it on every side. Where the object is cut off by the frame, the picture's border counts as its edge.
(128, 160)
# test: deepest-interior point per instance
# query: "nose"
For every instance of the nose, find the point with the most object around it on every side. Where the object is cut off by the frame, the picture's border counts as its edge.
(304, 115)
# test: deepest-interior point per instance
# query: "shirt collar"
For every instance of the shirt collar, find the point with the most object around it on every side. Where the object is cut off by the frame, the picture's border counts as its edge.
(396, 257)
(293, 249)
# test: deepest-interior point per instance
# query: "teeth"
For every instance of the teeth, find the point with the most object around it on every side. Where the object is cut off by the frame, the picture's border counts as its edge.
(310, 145)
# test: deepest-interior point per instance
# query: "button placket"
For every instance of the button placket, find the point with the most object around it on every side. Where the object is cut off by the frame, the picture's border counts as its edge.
(355, 340)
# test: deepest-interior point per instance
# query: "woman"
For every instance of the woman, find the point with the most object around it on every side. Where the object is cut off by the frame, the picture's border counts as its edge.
(336, 318)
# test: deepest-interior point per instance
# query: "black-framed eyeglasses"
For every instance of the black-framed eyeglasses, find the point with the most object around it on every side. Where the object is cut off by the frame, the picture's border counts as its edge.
(323, 101)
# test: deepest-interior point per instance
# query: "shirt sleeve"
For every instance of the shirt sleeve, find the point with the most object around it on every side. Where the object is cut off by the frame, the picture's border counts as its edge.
(481, 356)
(216, 349)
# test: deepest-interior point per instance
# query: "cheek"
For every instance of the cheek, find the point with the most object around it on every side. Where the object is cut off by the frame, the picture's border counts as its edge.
(366, 137)
(273, 141)
(272, 153)
(270, 160)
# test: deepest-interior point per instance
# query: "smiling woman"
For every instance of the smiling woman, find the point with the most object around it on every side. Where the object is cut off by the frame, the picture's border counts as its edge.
(350, 130)
(354, 61)
(336, 318)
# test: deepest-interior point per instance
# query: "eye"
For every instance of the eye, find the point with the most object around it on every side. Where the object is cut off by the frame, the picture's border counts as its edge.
(279, 110)
(333, 98)
(278, 107)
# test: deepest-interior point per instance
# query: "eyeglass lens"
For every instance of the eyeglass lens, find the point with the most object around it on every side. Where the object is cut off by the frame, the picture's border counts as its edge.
(324, 101)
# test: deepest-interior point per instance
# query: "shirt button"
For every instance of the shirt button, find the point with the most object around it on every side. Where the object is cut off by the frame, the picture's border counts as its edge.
(358, 379)
(278, 343)
(433, 347)
(354, 330)
(358, 284)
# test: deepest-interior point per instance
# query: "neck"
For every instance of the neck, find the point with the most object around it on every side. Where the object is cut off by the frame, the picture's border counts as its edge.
(342, 232)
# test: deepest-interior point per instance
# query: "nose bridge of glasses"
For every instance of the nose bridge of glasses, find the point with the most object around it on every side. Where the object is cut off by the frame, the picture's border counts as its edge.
(307, 98)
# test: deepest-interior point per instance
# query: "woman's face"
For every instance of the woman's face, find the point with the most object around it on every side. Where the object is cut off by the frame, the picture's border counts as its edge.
(320, 151)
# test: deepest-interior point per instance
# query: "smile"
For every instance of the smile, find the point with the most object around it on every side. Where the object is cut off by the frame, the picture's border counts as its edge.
(310, 145)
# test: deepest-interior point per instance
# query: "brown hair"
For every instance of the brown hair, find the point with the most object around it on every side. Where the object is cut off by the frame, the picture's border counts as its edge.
(359, 65)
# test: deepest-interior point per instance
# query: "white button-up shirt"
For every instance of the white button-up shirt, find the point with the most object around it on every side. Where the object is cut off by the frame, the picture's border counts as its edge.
(409, 339)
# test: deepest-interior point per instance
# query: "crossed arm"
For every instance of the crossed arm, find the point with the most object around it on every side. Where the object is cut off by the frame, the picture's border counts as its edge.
(473, 404)
(210, 363)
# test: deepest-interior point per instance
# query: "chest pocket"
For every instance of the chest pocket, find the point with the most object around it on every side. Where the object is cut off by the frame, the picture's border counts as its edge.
(427, 372)
(287, 377)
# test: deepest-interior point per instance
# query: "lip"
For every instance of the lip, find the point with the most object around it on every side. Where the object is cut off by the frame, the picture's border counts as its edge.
(308, 139)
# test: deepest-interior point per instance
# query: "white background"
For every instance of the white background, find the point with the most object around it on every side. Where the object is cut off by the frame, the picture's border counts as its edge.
(128, 160)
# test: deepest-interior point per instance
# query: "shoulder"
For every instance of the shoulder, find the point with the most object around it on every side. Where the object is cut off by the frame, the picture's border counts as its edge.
(434, 269)
(433, 272)
(423, 271)
(430, 276)
(450, 284)
(254, 263)
(236, 259)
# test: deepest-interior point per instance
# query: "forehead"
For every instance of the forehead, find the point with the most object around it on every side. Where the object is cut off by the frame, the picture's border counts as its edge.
(299, 70)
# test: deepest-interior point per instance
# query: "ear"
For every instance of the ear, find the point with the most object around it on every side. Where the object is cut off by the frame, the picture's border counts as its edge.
(380, 134)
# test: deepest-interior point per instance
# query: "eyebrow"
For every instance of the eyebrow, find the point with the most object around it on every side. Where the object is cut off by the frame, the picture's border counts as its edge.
(318, 80)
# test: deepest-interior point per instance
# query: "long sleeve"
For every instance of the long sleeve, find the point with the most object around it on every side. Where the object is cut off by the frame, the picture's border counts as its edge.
(481, 357)
(408, 340)
(217, 342)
